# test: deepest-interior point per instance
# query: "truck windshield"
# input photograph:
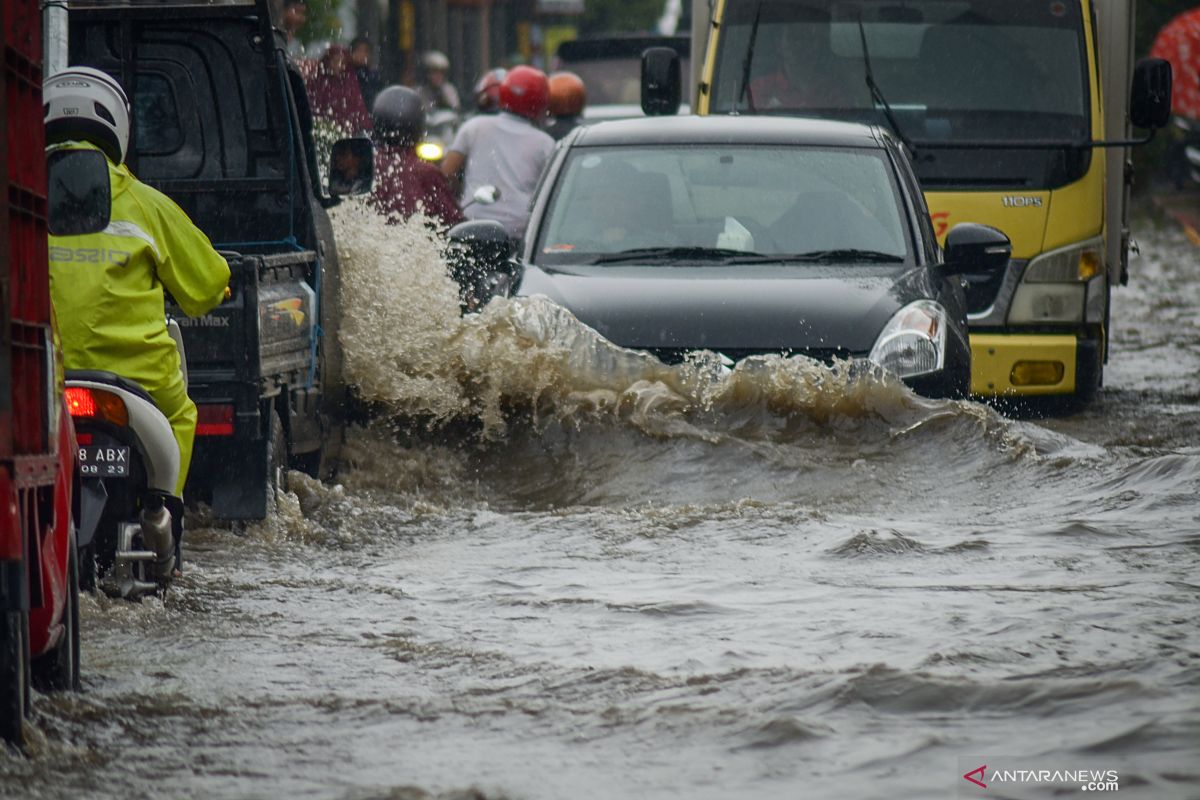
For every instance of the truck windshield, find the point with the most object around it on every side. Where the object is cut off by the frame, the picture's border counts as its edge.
(712, 204)
(953, 71)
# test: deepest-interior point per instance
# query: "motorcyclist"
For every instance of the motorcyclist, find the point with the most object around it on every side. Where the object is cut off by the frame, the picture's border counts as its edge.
(507, 150)
(436, 89)
(567, 100)
(405, 183)
(487, 91)
(107, 288)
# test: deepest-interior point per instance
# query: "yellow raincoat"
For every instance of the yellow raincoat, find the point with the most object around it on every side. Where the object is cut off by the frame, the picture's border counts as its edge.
(107, 290)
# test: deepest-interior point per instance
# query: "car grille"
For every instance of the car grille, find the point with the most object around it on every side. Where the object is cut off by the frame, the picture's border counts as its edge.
(677, 355)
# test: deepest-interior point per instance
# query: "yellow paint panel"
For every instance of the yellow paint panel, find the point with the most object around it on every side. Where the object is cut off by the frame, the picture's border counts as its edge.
(993, 357)
(1024, 225)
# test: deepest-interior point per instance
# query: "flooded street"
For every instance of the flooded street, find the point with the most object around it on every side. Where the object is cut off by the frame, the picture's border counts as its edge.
(621, 580)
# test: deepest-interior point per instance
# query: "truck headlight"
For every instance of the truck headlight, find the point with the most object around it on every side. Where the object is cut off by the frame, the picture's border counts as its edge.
(1053, 287)
(914, 340)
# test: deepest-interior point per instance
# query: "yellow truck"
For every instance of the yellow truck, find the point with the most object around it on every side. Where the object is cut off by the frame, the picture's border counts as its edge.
(1017, 114)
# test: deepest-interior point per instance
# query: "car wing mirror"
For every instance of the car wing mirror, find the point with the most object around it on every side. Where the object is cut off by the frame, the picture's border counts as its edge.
(662, 82)
(972, 248)
(351, 167)
(79, 192)
(1150, 97)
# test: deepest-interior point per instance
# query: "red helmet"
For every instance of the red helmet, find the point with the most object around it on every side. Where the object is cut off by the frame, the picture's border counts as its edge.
(487, 90)
(525, 92)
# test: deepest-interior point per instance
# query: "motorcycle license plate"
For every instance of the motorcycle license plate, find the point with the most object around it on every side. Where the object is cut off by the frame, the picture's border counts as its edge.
(98, 461)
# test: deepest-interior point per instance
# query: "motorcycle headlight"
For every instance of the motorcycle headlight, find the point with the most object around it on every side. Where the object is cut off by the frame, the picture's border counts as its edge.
(914, 340)
(430, 151)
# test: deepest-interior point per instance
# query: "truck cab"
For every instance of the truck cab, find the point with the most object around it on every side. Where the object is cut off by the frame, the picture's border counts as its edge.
(1016, 115)
(221, 125)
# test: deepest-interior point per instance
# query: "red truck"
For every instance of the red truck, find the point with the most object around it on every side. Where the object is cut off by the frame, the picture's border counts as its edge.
(39, 586)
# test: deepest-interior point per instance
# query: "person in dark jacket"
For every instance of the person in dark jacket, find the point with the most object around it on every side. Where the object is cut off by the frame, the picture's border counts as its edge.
(369, 81)
(405, 183)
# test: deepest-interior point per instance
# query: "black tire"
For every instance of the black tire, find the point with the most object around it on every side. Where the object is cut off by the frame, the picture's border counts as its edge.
(87, 568)
(58, 670)
(277, 462)
(14, 675)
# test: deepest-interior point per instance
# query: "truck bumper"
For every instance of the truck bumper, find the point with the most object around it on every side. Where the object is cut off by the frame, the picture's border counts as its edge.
(1032, 365)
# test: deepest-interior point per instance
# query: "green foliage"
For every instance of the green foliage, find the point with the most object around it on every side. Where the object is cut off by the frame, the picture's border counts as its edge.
(323, 23)
(615, 16)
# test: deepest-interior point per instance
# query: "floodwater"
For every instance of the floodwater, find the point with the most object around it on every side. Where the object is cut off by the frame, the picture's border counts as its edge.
(620, 580)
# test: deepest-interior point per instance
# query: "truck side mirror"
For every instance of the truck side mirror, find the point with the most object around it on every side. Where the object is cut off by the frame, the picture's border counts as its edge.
(1150, 98)
(662, 82)
(972, 248)
(79, 196)
(351, 167)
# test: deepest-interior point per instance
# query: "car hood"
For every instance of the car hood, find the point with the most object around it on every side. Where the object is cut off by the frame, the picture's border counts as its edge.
(736, 308)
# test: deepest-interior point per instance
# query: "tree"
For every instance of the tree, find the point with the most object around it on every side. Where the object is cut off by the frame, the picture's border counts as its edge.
(323, 24)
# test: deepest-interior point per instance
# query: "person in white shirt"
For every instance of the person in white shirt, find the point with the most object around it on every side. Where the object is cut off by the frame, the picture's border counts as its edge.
(507, 150)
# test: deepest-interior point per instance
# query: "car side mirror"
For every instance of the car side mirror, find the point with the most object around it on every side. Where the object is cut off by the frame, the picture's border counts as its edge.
(1150, 97)
(972, 248)
(79, 193)
(351, 167)
(662, 82)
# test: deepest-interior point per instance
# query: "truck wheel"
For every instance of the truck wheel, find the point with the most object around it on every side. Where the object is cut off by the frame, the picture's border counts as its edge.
(58, 670)
(277, 462)
(14, 674)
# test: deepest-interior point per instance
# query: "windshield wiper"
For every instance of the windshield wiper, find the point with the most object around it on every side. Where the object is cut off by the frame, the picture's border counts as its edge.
(843, 255)
(745, 93)
(877, 93)
(676, 254)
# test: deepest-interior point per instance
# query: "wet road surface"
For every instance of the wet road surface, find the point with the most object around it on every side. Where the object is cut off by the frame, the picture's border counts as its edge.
(633, 581)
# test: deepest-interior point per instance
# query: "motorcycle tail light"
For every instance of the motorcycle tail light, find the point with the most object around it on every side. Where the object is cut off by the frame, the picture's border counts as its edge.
(83, 402)
(214, 420)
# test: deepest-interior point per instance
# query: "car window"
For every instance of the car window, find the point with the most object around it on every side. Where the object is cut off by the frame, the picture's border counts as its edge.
(772, 200)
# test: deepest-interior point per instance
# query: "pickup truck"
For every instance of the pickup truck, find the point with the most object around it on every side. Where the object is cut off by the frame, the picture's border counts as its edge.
(222, 126)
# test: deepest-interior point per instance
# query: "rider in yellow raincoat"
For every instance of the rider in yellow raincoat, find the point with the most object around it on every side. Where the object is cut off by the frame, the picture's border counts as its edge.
(107, 287)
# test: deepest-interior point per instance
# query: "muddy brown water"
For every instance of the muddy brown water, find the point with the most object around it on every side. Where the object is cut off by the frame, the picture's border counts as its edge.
(638, 582)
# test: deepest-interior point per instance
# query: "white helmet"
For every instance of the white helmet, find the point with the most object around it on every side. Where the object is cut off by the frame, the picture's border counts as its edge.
(85, 104)
(435, 61)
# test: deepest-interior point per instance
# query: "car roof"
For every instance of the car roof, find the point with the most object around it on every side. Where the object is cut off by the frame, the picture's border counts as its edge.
(729, 129)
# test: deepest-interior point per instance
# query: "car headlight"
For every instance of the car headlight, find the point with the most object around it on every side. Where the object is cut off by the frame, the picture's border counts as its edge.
(914, 340)
(1053, 288)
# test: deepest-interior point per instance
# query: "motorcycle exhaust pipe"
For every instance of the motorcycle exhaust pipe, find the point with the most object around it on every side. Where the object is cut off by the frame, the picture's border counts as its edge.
(158, 536)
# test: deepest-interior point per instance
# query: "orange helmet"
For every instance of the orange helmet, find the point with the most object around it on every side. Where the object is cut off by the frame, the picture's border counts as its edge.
(525, 92)
(567, 95)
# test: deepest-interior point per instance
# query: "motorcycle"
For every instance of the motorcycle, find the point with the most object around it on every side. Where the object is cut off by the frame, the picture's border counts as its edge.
(480, 255)
(130, 521)
(440, 127)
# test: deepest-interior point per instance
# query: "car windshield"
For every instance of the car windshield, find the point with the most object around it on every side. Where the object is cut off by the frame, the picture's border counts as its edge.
(952, 71)
(722, 202)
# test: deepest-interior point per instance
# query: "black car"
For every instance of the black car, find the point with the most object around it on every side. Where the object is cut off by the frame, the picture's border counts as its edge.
(752, 236)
